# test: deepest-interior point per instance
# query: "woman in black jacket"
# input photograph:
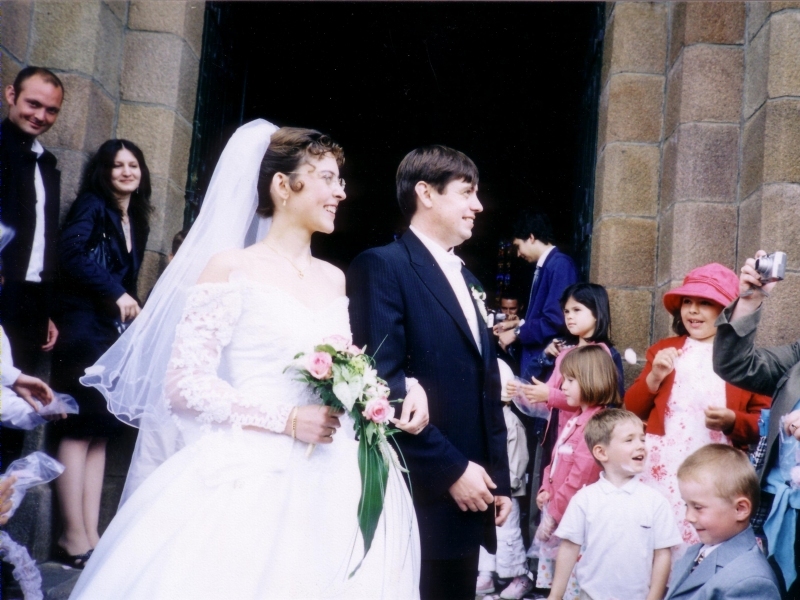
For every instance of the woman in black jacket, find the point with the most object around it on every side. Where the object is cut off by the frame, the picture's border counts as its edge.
(100, 252)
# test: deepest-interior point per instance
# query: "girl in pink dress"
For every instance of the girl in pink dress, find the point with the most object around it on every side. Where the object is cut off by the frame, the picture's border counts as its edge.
(685, 404)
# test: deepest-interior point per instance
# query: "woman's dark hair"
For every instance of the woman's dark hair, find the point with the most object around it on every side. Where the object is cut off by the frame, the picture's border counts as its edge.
(97, 180)
(436, 165)
(288, 147)
(595, 298)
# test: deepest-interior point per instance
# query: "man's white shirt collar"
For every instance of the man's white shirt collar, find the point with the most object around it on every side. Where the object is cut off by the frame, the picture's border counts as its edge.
(441, 256)
(543, 257)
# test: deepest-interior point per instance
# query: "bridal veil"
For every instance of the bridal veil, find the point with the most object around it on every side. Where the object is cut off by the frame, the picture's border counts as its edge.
(131, 373)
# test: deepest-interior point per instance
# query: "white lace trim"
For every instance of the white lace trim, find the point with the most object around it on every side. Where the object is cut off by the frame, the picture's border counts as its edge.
(25, 571)
(192, 382)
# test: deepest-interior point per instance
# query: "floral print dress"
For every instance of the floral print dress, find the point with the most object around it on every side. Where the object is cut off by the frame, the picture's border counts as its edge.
(696, 388)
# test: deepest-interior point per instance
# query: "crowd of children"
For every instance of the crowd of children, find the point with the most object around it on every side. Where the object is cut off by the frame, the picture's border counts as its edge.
(652, 501)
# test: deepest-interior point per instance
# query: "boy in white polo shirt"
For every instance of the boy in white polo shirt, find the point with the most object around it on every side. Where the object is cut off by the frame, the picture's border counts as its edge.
(618, 530)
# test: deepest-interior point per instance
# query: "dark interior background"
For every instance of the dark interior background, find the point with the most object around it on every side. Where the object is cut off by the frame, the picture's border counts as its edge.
(513, 85)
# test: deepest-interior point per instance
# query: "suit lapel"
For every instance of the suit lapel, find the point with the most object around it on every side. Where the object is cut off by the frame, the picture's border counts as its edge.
(483, 332)
(725, 553)
(434, 279)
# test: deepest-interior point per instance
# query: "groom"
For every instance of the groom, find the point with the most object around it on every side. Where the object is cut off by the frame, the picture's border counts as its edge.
(415, 306)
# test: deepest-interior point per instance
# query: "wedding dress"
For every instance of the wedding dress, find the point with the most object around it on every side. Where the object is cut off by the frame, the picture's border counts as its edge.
(244, 513)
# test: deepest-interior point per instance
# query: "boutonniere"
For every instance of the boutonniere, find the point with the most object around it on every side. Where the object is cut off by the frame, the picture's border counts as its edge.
(480, 299)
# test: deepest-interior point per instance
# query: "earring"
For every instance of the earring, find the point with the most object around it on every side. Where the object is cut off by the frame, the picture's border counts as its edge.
(284, 201)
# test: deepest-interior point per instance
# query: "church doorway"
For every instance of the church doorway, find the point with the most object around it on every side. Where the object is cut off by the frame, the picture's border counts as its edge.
(513, 85)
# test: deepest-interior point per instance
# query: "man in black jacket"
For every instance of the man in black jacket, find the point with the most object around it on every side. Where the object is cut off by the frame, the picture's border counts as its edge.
(422, 314)
(30, 187)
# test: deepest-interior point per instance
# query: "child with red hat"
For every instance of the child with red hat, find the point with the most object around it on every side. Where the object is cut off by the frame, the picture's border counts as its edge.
(685, 404)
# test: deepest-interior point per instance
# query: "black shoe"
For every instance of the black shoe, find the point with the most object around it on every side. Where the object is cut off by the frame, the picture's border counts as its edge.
(76, 561)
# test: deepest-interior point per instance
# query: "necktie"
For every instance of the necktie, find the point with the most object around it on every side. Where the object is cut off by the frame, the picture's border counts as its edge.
(533, 286)
(699, 559)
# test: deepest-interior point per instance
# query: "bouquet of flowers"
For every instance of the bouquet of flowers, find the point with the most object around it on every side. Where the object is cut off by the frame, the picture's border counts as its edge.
(345, 379)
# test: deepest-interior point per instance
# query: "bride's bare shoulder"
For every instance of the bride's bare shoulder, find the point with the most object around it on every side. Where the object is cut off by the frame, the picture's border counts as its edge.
(334, 274)
(221, 265)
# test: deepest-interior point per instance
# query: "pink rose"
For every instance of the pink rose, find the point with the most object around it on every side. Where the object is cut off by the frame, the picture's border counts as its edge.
(378, 410)
(355, 350)
(339, 342)
(319, 365)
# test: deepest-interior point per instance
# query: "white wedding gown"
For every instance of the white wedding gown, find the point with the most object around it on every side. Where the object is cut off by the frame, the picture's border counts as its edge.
(245, 514)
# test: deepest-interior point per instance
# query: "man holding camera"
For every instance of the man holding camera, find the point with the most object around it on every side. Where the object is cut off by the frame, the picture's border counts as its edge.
(771, 371)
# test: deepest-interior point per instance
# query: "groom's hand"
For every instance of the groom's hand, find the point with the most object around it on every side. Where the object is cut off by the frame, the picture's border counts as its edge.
(472, 491)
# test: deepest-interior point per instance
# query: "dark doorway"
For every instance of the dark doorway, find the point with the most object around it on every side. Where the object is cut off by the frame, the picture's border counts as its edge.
(513, 85)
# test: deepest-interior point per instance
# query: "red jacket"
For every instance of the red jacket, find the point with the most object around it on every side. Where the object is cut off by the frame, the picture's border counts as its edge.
(639, 400)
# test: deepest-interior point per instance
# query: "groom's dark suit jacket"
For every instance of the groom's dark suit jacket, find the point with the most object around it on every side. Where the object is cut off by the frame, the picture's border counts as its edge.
(404, 309)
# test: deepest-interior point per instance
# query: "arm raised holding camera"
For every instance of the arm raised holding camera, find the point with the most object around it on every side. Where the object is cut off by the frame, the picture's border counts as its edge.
(752, 288)
(736, 359)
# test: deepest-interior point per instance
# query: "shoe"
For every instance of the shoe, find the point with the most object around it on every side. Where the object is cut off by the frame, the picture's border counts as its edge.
(485, 585)
(518, 588)
(75, 561)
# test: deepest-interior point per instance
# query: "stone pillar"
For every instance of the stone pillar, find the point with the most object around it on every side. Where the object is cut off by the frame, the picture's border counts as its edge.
(130, 71)
(697, 213)
(628, 167)
(160, 68)
(769, 186)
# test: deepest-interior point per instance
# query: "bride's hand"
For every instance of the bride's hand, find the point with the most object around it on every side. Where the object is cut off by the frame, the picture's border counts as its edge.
(315, 424)
(414, 416)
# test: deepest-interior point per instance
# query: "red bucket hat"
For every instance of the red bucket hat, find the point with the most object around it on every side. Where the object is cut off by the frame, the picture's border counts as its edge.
(713, 282)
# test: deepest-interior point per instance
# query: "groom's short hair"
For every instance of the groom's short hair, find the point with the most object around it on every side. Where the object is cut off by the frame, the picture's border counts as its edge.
(436, 165)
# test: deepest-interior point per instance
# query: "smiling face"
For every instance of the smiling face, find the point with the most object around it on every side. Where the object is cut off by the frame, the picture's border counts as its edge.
(451, 214)
(318, 200)
(698, 316)
(36, 108)
(579, 319)
(126, 174)
(715, 519)
(625, 453)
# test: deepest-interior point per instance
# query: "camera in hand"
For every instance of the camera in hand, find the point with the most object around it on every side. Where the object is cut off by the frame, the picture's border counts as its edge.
(771, 267)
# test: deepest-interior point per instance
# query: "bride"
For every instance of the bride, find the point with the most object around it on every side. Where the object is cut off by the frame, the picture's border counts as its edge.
(222, 500)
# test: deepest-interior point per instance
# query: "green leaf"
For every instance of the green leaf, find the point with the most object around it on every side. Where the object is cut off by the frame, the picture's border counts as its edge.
(374, 475)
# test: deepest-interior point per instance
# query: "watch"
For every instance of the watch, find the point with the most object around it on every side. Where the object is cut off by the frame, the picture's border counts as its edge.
(516, 331)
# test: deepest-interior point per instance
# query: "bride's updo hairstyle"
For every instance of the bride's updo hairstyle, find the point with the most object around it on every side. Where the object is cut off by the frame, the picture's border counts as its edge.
(288, 148)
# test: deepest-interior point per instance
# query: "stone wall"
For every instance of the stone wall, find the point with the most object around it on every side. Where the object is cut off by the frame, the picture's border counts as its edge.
(698, 154)
(130, 70)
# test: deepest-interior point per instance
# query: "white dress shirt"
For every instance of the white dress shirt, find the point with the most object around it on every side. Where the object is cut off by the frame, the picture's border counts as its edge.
(543, 257)
(36, 263)
(450, 264)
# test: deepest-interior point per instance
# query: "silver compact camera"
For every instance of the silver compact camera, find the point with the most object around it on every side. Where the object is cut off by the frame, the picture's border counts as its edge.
(771, 267)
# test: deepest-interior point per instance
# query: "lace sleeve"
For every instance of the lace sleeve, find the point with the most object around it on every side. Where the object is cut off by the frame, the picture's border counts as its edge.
(192, 385)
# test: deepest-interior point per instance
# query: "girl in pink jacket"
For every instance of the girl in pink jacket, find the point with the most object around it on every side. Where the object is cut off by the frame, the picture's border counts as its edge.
(590, 383)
